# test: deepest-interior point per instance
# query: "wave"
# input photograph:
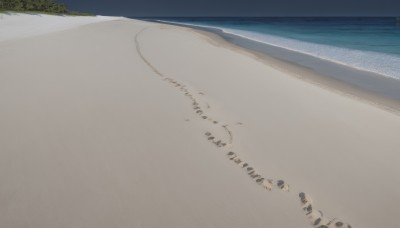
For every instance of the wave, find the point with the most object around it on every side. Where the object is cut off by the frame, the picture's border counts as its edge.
(384, 64)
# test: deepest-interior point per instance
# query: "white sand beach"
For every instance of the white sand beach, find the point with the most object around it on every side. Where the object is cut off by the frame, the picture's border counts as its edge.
(112, 122)
(21, 25)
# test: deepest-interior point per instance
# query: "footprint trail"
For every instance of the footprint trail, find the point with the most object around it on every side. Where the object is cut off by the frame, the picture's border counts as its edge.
(225, 144)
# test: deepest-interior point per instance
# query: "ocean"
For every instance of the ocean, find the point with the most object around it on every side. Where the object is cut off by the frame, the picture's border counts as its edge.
(368, 44)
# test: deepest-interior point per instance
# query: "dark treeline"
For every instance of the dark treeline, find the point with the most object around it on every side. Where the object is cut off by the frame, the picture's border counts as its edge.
(48, 6)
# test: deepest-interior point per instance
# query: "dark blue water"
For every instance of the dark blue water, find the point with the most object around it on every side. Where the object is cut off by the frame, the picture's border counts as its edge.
(370, 44)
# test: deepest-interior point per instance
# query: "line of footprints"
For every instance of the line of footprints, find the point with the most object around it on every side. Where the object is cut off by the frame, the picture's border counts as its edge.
(316, 217)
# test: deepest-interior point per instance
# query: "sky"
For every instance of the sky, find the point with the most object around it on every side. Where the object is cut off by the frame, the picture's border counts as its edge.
(165, 8)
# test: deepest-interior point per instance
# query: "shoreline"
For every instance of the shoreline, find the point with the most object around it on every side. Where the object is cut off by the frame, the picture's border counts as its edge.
(352, 87)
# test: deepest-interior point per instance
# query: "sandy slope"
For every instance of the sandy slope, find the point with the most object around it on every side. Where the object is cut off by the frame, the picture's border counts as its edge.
(21, 25)
(102, 132)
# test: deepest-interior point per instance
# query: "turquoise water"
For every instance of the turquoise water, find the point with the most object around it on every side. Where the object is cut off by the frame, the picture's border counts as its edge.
(370, 44)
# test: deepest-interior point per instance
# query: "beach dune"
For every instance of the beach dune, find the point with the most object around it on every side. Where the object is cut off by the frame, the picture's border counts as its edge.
(125, 123)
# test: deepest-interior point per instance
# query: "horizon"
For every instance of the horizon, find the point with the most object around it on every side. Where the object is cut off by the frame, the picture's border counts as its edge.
(262, 16)
(236, 8)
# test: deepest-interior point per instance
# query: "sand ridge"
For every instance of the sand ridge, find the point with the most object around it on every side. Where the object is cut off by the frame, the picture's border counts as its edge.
(225, 143)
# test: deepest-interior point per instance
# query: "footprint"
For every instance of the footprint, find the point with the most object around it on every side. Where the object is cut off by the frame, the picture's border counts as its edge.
(317, 222)
(339, 224)
(218, 143)
(305, 199)
(315, 217)
(282, 185)
(308, 209)
(237, 160)
(267, 184)
(231, 155)
(259, 180)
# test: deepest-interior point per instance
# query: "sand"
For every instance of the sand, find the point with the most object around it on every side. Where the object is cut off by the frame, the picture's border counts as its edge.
(126, 123)
(21, 25)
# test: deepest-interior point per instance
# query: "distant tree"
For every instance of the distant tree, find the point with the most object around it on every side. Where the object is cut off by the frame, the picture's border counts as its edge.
(29, 5)
(33, 5)
(18, 5)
